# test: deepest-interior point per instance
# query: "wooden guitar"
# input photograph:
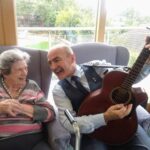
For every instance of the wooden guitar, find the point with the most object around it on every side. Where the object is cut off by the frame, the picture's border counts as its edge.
(117, 88)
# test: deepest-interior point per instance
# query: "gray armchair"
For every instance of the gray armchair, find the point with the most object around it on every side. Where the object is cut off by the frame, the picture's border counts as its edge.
(40, 72)
(116, 55)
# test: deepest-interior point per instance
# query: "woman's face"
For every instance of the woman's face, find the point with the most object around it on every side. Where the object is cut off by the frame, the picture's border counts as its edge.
(18, 73)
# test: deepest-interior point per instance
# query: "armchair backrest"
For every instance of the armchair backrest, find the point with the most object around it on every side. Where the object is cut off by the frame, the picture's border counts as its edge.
(116, 55)
(38, 67)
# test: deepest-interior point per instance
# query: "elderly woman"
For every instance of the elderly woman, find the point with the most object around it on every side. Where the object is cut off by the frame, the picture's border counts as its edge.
(23, 107)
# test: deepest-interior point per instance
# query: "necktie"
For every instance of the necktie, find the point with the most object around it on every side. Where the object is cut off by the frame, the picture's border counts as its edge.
(78, 84)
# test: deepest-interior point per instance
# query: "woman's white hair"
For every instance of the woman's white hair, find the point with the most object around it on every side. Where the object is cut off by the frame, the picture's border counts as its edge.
(8, 57)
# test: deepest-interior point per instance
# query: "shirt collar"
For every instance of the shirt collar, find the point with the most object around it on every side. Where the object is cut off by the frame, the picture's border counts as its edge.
(77, 72)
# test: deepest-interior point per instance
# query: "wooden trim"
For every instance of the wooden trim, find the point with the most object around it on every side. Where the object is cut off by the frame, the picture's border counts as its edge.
(1, 26)
(8, 22)
(101, 21)
(148, 107)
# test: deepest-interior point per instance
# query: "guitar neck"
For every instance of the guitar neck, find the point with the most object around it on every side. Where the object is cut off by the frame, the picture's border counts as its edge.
(136, 69)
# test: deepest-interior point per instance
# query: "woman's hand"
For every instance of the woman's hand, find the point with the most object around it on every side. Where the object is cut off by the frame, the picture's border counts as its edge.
(10, 107)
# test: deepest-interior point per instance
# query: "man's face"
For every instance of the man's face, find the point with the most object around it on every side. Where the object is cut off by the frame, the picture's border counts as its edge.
(18, 74)
(61, 63)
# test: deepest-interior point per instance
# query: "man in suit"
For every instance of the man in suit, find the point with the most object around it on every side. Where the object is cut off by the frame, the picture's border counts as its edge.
(70, 95)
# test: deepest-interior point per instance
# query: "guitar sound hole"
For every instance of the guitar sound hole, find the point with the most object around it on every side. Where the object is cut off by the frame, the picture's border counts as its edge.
(120, 96)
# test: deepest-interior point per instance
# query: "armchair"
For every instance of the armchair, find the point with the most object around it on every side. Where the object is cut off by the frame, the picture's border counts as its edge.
(116, 55)
(39, 71)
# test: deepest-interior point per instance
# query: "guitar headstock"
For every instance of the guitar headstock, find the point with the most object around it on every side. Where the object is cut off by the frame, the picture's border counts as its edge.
(147, 40)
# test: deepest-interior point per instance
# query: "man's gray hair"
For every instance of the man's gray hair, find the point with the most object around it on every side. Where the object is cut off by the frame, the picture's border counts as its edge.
(67, 48)
(9, 57)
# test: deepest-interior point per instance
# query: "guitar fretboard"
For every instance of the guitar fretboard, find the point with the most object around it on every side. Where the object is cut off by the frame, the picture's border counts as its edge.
(136, 69)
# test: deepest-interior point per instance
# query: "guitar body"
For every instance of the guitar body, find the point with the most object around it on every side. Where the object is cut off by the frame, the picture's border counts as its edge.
(118, 131)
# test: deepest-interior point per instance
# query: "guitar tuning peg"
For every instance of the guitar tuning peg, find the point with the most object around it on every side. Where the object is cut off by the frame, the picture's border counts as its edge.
(148, 28)
(147, 40)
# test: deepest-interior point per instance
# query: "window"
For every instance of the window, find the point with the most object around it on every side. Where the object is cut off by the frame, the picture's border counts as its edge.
(42, 24)
(126, 25)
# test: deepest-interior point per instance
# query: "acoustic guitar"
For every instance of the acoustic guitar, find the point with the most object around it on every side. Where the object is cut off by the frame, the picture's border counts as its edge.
(117, 88)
